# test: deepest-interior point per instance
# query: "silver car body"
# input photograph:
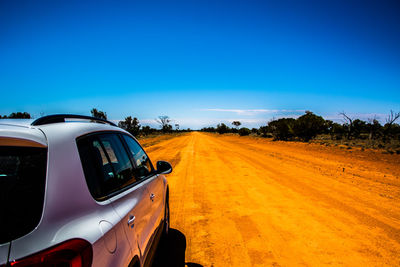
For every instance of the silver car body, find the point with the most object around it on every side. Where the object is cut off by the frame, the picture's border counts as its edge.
(119, 228)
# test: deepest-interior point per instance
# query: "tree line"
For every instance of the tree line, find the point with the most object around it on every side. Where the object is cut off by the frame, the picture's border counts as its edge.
(132, 125)
(309, 125)
(17, 115)
(304, 128)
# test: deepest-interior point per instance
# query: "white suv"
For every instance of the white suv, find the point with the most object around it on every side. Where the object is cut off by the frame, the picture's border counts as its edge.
(78, 191)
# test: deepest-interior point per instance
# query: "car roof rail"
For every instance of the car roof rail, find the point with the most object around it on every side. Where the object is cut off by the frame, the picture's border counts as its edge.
(61, 118)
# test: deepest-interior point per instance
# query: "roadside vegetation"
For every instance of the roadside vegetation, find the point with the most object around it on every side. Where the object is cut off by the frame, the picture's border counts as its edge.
(353, 132)
(132, 125)
(309, 127)
(17, 115)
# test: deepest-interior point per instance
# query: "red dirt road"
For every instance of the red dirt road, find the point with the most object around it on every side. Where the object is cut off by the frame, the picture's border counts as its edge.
(243, 201)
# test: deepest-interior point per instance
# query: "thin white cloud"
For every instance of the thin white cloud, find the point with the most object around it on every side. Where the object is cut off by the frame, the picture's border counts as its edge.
(198, 123)
(253, 111)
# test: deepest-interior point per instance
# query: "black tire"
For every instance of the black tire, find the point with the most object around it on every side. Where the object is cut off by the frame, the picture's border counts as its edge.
(166, 217)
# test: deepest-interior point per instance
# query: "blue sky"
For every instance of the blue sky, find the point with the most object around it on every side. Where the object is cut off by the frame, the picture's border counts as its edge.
(200, 62)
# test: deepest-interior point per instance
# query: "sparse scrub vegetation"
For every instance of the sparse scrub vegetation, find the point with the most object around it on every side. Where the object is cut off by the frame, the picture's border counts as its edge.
(130, 125)
(17, 115)
(353, 133)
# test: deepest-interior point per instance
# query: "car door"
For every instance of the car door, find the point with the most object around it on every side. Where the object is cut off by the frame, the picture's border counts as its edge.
(133, 208)
(117, 183)
(155, 188)
(154, 183)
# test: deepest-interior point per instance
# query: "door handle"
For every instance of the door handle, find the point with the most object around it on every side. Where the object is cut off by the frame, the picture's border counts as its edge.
(152, 196)
(131, 220)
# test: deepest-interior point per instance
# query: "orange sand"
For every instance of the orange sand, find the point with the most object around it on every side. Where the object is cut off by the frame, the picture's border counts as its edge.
(243, 201)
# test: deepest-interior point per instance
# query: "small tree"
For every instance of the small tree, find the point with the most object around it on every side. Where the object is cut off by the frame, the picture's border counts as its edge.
(308, 126)
(348, 124)
(98, 114)
(374, 129)
(130, 125)
(337, 131)
(164, 123)
(222, 128)
(244, 131)
(282, 129)
(236, 123)
(387, 128)
(359, 127)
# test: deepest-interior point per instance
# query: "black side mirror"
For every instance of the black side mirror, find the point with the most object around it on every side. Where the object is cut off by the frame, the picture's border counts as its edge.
(163, 167)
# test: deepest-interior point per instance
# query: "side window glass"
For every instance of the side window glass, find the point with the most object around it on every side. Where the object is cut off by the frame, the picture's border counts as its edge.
(99, 150)
(106, 164)
(22, 189)
(92, 161)
(142, 161)
(118, 168)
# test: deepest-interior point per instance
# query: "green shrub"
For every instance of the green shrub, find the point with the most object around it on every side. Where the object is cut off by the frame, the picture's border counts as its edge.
(308, 126)
(282, 129)
(222, 128)
(244, 131)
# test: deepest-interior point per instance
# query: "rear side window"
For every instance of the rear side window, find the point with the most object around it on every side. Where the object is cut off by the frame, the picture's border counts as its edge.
(142, 161)
(22, 187)
(106, 164)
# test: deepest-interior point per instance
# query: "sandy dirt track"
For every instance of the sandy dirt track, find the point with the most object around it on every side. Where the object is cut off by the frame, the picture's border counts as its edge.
(243, 201)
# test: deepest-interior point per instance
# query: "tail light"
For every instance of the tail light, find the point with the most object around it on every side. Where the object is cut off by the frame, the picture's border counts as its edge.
(71, 253)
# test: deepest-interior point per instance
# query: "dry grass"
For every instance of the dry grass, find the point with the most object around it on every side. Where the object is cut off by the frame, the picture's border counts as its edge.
(391, 147)
(153, 139)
